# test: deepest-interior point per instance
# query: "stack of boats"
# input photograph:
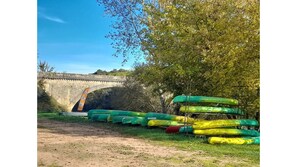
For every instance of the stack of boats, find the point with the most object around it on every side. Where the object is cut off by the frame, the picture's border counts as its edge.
(228, 131)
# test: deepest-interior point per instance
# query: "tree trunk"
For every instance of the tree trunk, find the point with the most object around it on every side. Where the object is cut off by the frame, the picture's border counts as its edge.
(163, 104)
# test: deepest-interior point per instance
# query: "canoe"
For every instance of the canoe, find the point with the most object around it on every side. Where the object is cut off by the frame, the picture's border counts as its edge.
(115, 113)
(207, 109)
(227, 132)
(137, 120)
(119, 119)
(237, 140)
(99, 111)
(172, 129)
(224, 123)
(162, 116)
(157, 122)
(186, 129)
(204, 99)
(128, 113)
(100, 117)
(127, 120)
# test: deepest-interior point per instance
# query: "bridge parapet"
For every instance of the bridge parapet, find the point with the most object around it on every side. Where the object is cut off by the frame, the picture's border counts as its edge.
(84, 77)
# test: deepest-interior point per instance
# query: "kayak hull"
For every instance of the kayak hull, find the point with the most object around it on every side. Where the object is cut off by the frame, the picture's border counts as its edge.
(204, 99)
(237, 140)
(227, 132)
(224, 123)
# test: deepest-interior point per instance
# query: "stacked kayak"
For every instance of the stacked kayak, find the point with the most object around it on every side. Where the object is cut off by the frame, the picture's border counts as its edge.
(207, 109)
(124, 114)
(237, 140)
(219, 131)
(173, 129)
(225, 123)
(116, 116)
(204, 99)
(160, 119)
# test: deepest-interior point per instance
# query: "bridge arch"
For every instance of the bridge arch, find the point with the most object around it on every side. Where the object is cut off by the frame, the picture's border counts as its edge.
(67, 88)
(77, 97)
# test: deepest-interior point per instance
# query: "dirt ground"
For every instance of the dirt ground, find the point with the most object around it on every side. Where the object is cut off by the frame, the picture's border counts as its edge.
(75, 145)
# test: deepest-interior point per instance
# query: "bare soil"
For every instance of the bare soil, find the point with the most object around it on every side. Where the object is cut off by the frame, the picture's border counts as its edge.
(81, 145)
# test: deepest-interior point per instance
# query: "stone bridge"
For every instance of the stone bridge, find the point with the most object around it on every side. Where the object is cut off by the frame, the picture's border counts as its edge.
(67, 88)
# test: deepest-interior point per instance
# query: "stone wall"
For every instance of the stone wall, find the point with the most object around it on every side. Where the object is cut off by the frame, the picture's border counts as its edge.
(68, 88)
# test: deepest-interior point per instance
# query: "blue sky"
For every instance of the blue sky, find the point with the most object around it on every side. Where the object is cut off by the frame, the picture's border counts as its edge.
(71, 38)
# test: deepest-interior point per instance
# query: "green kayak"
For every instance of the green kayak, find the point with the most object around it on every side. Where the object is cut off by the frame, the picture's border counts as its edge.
(237, 140)
(119, 119)
(115, 113)
(206, 109)
(224, 123)
(100, 117)
(204, 99)
(99, 111)
(137, 120)
(227, 132)
(127, 120)
(128, 113)
(186, 129)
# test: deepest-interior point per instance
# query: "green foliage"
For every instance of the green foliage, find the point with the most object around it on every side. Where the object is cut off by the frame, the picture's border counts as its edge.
(194, 47)
(114, 72)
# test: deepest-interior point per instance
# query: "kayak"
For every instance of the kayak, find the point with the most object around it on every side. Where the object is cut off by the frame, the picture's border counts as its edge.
(186, 129)
(127, 120)
(226, 132)
(206, 109)
(237, 140)
(162, 116)
(163, 123)
(204, 99)
(224, 123)
(172, 129)
(99, 111)
(137, 120)
(128, 113)
(119, 119)
(100, 117)
(115, 113)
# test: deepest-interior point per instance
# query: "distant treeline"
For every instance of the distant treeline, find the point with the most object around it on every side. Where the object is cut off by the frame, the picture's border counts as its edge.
(114, 72)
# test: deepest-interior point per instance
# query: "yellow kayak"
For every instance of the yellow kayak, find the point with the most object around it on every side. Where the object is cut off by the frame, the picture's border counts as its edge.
(226, 132)
(237, 140)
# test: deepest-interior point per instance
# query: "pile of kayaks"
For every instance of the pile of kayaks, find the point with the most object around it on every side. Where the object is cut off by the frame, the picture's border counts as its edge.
(116, 116)
(227, 131)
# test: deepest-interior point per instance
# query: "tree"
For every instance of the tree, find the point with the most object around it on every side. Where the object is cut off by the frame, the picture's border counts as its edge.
(199, 47)
(43, 66)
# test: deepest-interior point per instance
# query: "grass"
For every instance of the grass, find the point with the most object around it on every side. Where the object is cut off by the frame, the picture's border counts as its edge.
(250, 153)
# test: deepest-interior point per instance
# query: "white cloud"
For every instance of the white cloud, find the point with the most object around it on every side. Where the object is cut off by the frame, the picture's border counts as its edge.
(54, 19)
(41, 14)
